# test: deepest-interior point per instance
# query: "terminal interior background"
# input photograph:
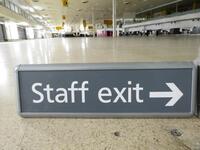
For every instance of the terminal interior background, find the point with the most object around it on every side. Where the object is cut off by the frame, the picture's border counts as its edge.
(95, 31)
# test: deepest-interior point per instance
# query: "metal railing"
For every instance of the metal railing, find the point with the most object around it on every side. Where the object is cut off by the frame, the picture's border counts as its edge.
(16, 9)
(176, 14)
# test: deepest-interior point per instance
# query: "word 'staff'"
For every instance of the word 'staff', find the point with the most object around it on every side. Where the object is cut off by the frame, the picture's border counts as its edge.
(100, 90)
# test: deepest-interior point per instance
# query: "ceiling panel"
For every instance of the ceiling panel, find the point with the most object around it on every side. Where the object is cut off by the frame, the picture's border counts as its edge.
(53, 10)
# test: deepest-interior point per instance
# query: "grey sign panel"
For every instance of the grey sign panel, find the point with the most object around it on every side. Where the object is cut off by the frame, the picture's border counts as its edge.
(106, 90)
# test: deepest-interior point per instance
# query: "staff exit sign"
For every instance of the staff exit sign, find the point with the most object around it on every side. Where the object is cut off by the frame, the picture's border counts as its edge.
(106, 90)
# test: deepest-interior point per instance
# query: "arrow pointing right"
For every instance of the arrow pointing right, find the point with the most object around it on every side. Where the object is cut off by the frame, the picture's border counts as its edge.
(175, 94)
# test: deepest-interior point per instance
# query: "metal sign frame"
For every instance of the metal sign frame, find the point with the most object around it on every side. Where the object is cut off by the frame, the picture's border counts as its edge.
(198, 93)
(109, 66)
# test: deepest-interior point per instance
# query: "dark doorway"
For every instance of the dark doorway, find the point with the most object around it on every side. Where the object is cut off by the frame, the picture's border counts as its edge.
(22, 33)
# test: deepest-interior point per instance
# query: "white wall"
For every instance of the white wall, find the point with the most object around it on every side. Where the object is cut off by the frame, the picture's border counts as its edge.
(29, 33)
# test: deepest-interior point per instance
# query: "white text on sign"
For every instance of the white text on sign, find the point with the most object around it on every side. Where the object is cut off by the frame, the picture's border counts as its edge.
(68, 95)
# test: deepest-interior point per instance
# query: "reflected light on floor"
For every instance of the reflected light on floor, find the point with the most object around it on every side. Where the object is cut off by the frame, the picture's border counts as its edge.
(3, 75)
(66, 45)
(30, 56)
(83, 44)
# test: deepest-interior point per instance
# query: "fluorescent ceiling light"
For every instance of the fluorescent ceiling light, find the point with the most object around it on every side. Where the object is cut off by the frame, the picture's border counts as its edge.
(38, 27)
(38, 8)
(31, 10)
(28, 8)
(46, 17)
(37, 16)
(22, 23)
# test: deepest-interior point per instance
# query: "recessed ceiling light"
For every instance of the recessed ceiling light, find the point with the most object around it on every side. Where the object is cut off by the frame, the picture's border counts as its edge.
(84, 1)
(125, 2)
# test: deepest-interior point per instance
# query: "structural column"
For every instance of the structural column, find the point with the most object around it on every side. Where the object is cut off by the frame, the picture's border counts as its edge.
(93, 22)
(176, 7)
(114, 17)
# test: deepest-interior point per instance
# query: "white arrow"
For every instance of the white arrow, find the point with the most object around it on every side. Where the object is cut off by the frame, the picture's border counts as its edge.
(175, 94)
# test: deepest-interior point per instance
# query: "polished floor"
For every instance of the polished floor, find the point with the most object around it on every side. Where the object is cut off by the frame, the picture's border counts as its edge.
(25, 134)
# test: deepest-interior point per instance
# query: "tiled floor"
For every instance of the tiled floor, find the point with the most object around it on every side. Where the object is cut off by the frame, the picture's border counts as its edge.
(26, 134)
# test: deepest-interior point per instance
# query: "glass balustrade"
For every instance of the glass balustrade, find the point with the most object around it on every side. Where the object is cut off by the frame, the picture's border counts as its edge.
(168, 16)
(13, 7)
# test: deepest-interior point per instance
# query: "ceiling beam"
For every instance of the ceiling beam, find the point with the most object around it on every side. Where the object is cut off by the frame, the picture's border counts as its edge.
(159, 6)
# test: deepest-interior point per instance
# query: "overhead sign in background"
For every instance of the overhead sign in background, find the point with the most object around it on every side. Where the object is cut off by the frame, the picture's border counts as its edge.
(106, 90)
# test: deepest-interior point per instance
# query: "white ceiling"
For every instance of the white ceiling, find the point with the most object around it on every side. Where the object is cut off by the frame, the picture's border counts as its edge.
(53, 10)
